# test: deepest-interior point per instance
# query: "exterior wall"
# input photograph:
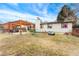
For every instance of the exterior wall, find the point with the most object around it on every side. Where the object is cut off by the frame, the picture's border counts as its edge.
(56, 28)
(37, 25)
(12, 25)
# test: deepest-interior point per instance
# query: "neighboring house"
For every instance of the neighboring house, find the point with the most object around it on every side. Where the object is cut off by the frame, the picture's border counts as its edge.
(18, 25)
(61, 27)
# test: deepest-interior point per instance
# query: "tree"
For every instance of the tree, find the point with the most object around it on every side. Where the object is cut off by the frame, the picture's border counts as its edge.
(66, 14)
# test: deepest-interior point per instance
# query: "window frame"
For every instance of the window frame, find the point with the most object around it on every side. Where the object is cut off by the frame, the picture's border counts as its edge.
(64, 25)
(49, 26)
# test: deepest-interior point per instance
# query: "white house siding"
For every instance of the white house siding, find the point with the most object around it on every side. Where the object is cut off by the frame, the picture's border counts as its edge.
(44, 29)
(69, 29)
(37, 25)
(56, 28)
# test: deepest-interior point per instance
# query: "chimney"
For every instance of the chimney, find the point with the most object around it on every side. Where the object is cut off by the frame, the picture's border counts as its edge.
(37, 24)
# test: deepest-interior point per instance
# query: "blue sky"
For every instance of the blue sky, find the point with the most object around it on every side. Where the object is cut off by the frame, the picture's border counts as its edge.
(29, 11)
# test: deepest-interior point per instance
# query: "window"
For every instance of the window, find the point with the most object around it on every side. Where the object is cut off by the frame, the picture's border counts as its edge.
(18, 26)
(41, 26)
(64, 25)
(49, 26)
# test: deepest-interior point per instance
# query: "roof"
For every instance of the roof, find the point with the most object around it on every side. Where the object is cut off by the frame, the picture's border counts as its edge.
(55, 22)
(25, 22)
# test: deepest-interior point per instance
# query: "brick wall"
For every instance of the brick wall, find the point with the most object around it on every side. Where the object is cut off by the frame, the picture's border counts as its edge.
(12, 25)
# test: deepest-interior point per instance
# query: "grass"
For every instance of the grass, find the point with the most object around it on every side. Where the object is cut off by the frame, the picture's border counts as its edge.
(39, 44)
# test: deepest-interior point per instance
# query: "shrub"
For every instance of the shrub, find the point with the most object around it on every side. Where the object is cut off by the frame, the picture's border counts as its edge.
(32, 30)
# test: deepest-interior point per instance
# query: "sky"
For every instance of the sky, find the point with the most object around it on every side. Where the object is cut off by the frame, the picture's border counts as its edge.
(29, 11)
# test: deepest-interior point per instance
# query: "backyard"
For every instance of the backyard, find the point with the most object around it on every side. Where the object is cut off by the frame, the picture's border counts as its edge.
(39, 44)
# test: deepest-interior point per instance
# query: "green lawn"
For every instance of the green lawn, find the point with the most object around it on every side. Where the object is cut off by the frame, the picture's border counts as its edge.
(39, 44)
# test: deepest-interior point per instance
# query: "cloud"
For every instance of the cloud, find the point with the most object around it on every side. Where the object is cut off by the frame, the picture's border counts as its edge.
(8, 15)
(40, 9)
(13, 15)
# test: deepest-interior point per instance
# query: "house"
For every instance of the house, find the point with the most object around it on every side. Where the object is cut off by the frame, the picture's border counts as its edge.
(18, 25)
(58, 27)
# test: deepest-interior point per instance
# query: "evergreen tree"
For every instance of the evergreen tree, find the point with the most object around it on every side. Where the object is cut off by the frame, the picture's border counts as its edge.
(66, 14)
